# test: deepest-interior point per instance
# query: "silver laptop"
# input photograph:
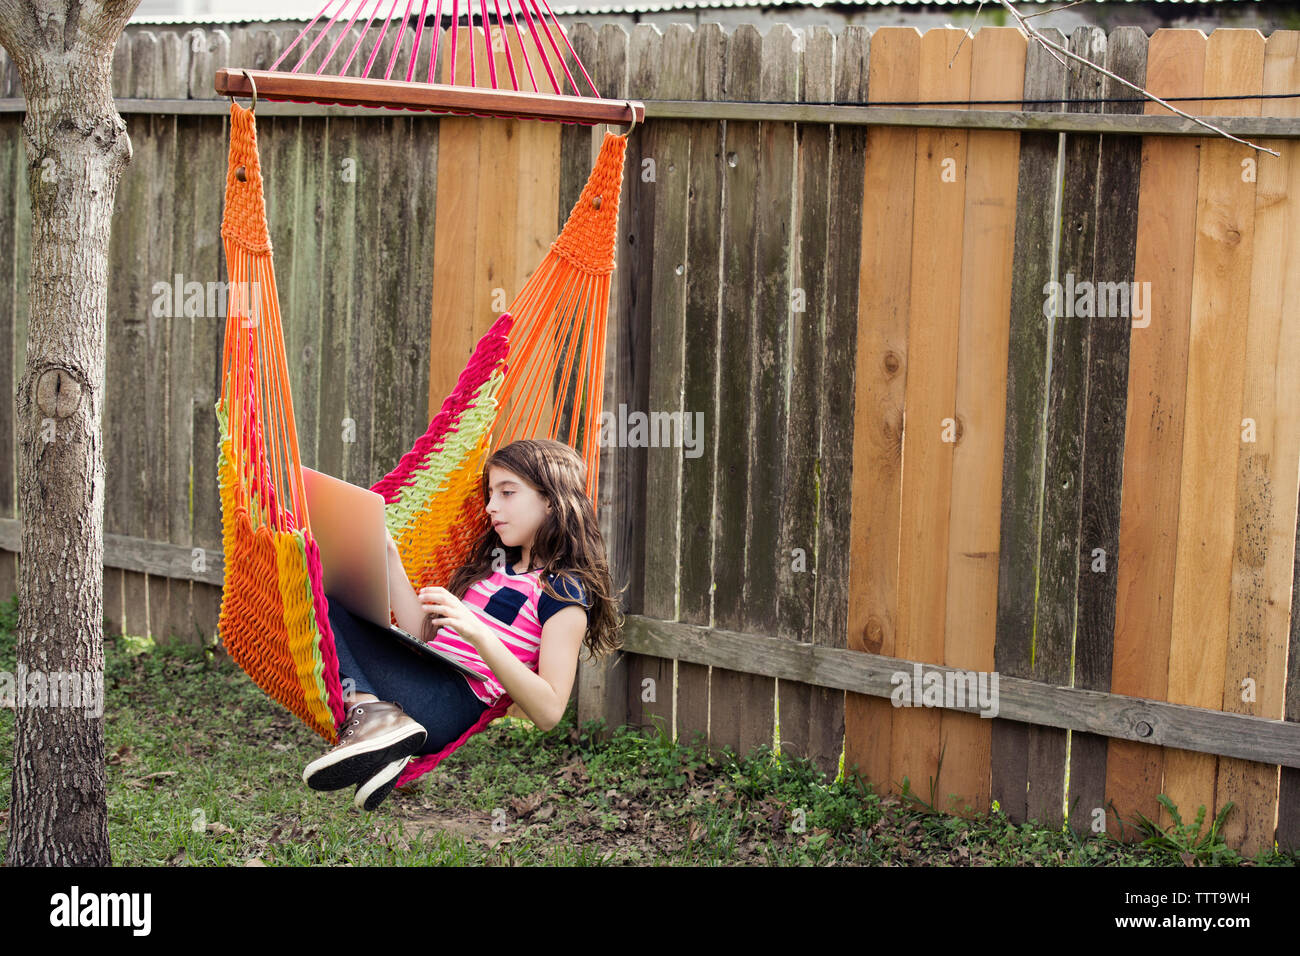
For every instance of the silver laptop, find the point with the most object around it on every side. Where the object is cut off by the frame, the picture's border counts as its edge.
(348, 524)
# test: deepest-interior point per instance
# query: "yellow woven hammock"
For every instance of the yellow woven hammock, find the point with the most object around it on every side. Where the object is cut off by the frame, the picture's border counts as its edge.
(274, 615)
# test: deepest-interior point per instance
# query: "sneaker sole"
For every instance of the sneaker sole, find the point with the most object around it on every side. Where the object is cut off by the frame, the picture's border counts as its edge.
(372, 793)
(339, 769)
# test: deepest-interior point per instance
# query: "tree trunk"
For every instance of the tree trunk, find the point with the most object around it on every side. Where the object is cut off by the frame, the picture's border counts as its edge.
(77, 147)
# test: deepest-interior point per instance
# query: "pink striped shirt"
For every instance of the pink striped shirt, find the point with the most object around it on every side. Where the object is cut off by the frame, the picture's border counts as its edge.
(508, 603)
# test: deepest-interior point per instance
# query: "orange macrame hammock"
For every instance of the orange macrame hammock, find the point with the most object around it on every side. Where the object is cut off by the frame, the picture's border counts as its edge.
(274, 614)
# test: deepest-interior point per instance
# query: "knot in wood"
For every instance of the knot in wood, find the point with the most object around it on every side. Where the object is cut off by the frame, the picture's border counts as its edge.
(57, 393)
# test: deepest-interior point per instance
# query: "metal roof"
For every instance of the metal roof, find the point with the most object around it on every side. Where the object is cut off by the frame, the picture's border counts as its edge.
(305, 11)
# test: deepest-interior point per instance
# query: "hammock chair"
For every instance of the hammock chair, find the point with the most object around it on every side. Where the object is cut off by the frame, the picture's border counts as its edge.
(274, 619)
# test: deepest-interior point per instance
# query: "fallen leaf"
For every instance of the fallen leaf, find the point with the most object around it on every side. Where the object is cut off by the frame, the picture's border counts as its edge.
(122, 755)
(257, 861)
(526, 805)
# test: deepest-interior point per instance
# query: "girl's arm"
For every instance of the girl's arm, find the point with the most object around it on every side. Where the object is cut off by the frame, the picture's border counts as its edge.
(543, 695)
(406, 605)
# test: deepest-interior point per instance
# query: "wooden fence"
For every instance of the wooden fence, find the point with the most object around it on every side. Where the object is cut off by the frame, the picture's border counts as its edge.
(1100, 507)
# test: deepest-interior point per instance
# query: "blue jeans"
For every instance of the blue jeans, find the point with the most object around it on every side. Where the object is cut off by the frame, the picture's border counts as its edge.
(431, 692)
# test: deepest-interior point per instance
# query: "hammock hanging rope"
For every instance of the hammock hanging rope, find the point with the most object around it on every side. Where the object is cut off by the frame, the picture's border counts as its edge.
(527, 65)
(518, 383)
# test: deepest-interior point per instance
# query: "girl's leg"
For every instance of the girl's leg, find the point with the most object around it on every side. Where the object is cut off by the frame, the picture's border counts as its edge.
(432, 693)
(348, 632)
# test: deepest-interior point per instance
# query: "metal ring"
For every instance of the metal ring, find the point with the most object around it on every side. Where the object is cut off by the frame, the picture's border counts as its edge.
(633, 126)
(253, 106)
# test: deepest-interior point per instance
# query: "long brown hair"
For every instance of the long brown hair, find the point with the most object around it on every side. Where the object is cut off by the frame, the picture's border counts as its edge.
(568, 541)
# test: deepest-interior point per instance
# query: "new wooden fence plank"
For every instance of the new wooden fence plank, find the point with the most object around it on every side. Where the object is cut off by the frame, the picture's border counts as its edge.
(997, 72)
(1022, 474)
(699, 371)
(806, 727)
(1225, 220)
(1288, 815)
(884, 277)
(1153, 432)
(1268, 467)
(738, 701)
(210, 150)
(650, 680)
(1116, 208)
(931, 432)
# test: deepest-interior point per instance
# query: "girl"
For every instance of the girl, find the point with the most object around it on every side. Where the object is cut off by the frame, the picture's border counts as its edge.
(536, 587)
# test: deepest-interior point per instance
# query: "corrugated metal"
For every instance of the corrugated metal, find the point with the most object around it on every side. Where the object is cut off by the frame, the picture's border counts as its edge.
(230, 14)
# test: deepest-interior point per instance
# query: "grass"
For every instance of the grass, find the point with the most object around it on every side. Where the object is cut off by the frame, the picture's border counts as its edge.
(203, 769)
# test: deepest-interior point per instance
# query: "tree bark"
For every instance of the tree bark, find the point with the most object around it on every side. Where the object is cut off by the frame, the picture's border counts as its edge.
(77, 147)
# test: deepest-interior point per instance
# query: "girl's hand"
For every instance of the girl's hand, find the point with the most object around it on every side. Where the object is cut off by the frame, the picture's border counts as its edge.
(447, 610)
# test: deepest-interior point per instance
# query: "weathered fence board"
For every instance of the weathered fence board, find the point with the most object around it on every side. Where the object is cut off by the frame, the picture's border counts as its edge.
(1107, 358)
(1022, 475)
(700, 396)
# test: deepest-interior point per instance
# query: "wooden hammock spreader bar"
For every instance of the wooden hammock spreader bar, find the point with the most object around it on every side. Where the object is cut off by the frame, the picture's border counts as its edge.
(433, 97)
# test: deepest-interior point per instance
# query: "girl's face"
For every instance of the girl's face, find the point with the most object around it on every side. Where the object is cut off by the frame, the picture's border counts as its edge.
(514, 507)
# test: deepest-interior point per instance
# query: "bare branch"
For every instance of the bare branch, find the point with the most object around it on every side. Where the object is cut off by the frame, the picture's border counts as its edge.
(1119, 79)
